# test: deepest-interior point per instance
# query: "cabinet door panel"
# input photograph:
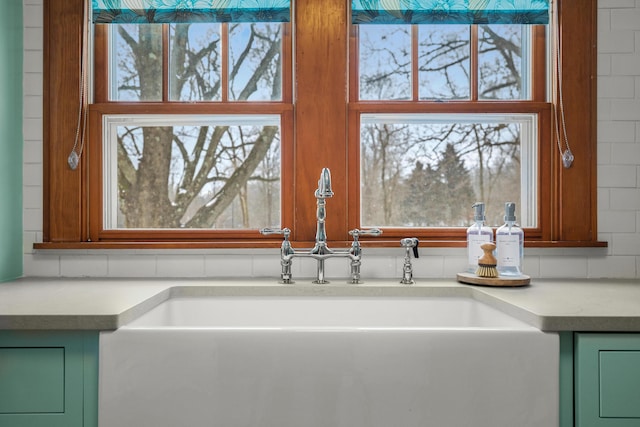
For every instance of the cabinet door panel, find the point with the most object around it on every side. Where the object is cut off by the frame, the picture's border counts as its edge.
(42, 379)
(607, 380)
(620, 384)
(31, 380)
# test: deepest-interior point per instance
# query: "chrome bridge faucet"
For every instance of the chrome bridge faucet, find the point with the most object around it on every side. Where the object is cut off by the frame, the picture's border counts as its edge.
(320, 252)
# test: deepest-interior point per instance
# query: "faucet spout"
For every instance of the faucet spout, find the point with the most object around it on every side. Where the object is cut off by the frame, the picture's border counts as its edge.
(324, 185)
(323, 192)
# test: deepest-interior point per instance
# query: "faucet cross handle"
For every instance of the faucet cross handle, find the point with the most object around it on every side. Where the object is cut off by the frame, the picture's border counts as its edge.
(370, 232)
(285, 248)
(286, 252)
(284, 231)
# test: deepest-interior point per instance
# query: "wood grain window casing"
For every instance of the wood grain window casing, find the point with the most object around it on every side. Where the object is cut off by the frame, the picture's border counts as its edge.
(320, 96)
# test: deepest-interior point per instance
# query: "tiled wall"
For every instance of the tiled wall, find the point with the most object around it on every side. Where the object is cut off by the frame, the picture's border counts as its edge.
(619, 137)
(618, 189)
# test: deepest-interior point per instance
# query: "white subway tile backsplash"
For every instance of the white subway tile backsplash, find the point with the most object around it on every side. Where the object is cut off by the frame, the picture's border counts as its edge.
(626, 109)
(625, 19)
(563, 266)
(32, 84)
(180, 265)
(32, 61)
(531, 266)
(625, 64)
(604, 197)
(616, 131)
(618, 111)
(228, 265)
(617, 176)
(32, 15)
(604, 153)
(612, 267)
(625, 154)
(604, 109)
(617, 221)
(616, 42)
(28, 239)
(32, 174)
(268, 265)
(613, 4)
(32, 129)
(604, 21)
(32, 197)
(42, 265)
(32, 153)
(616, 87)
(455, 264)
(427, 267)
(378, 266)
(82, 265)
(131, 266)
(626, 244)
(33, 39)
(604, 64)
(32, 107)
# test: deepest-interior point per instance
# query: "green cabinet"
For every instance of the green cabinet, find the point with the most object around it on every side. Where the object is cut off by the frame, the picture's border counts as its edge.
(48, 379)
(607, 380)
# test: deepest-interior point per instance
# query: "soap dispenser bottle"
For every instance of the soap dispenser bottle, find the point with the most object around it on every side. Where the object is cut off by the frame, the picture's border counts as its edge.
(510, 243)
(477, 235)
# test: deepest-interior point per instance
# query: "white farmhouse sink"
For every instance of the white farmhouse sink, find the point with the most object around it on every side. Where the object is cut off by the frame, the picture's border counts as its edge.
(324, 312)
(328, 362)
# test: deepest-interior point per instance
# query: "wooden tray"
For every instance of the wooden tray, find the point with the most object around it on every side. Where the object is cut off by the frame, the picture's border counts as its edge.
(472, 279)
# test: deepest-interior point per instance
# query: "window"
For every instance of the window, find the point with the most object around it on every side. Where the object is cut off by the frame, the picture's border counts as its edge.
(426, 170)
(339, 114)
(208, 156)
(422, 168)
(211, 162)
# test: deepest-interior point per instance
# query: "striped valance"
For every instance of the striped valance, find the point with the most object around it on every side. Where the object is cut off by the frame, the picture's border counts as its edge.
(450, 11)
(189, 11)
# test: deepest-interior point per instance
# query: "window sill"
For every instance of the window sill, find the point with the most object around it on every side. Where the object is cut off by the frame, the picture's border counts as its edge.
(185, 245)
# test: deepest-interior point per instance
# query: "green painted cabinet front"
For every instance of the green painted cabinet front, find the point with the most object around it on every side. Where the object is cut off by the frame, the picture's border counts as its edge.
(607, 380)
(48, 379)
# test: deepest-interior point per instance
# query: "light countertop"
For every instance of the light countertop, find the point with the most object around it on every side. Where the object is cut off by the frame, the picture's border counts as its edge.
(103, 304)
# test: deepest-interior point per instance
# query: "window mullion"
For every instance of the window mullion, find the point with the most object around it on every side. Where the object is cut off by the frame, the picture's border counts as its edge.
(539, 65)
(101, 63)
(415, 84)
(224, 72)
(473, 51)
(166, 63)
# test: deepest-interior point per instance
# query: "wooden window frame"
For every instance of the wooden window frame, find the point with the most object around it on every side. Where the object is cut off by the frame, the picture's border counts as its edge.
(536, 105)
(104, 106)
(321, 96)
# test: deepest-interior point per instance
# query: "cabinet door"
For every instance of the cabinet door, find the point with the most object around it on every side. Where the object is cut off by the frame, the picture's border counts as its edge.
(607, 380)
(47, 378)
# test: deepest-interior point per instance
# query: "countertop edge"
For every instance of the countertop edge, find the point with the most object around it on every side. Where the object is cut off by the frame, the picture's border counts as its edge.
(520, 303)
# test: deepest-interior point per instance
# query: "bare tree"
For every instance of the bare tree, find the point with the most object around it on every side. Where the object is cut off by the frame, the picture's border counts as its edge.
(187, 176)
(482, 156)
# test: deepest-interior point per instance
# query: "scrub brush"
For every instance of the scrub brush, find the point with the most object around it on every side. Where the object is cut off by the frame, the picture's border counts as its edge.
(487, 262)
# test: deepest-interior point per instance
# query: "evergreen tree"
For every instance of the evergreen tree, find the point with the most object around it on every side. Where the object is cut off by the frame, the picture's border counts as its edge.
(456, 192)
(419, 206)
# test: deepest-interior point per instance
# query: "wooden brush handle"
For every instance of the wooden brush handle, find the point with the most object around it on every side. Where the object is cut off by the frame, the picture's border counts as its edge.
(488, 258)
